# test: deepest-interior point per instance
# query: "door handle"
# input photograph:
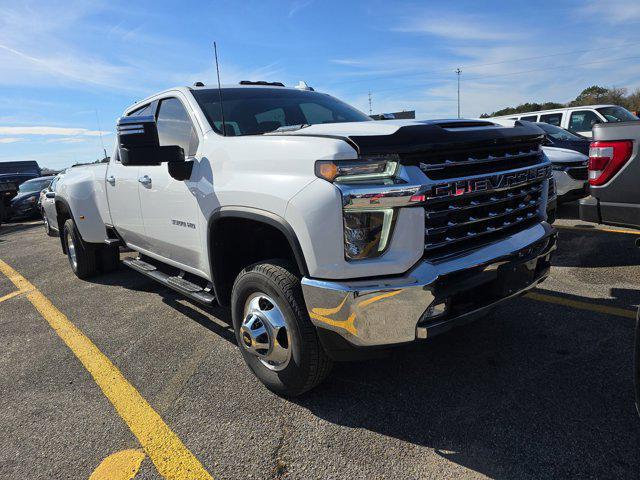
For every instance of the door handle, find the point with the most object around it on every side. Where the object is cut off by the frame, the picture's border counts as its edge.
(145, 180)
(111, 179)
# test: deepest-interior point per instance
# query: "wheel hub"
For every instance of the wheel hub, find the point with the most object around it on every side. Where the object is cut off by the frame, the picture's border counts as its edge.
(264, 332)
(71, 248)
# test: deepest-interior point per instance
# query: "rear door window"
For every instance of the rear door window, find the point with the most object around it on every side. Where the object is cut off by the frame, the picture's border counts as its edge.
(583, 120)
(529, 118)
(552, 119)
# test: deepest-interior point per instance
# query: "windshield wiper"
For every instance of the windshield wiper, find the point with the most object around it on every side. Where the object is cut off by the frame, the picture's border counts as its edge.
(288, 128)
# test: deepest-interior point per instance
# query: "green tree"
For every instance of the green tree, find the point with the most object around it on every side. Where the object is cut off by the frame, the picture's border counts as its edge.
(590, 96)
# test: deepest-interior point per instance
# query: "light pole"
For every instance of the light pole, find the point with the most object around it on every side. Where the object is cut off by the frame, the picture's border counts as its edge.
(458, 72)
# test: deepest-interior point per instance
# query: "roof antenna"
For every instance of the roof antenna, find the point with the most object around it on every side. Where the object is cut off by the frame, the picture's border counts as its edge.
(224, 128)
(100, 132)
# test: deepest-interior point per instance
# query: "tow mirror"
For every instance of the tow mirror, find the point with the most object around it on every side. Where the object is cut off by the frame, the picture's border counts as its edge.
(139, 144)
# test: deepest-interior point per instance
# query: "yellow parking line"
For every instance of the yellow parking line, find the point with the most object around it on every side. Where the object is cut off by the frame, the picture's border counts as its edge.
(587, 229)
(15, 293)
(123, 465)
(593, 307)
(170, 456)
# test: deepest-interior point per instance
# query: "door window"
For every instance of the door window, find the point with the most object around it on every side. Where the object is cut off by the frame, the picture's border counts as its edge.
(583, 120)
(530, 118)
(175, 127)
(142, 111)
(552, 118)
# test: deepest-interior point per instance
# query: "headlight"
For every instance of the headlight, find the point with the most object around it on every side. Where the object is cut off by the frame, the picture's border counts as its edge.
(366, 232)
(364, 169)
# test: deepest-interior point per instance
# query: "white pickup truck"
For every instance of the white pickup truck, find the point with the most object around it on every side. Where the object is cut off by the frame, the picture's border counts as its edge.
(330, 236)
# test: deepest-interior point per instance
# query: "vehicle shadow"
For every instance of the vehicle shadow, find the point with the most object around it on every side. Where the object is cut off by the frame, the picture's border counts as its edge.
(124, 277)
(7, 228)
(568, 211)
(537, 390)
(580, 248)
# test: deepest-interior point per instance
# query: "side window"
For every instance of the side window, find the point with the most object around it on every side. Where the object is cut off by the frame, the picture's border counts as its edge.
(552, 119)
(175, 127)
(52, 187)
(146, 110)
(530, 118)
(583, 121)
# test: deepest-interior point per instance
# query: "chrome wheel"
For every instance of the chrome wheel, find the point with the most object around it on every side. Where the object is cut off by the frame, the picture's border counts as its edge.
(264, 332)
(71, 250)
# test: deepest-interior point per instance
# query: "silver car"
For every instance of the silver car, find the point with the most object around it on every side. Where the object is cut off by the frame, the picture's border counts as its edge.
(48, 207)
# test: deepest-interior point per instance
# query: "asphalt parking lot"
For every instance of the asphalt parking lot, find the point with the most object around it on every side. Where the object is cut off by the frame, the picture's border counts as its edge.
(541, 389)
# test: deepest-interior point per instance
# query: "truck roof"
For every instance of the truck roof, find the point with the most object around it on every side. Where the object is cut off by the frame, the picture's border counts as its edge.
(551, 110)
(185, 89)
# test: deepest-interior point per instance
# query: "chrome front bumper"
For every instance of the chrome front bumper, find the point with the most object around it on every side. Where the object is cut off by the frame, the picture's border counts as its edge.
(391, 310)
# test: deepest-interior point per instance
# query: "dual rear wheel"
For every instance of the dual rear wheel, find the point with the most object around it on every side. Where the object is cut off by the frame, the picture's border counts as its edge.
(87, 259)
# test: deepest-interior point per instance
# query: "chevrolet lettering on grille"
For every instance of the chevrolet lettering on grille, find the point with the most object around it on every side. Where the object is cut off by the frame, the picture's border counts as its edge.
(492, 182)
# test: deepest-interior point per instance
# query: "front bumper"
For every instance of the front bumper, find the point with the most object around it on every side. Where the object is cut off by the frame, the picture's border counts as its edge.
(569, 188)
(24, 210)
(392, 310)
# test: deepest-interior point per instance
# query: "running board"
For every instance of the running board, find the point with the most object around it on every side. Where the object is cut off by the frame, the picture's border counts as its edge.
(188, 289)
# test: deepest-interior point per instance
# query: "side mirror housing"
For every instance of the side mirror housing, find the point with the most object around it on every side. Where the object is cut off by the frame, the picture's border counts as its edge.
(139, 144)
(50, 195)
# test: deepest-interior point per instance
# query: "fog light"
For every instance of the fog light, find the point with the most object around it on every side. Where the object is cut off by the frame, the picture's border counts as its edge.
(436, 310)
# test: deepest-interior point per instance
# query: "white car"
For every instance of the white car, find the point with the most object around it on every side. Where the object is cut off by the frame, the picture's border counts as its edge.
(328, 234)
(570, 173)
(578, 120)
(48, 206)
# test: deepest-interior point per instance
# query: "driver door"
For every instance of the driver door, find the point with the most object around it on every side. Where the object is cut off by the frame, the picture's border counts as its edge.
(169, 207)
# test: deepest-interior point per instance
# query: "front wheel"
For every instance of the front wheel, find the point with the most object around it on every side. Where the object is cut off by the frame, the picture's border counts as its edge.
(82, 256)
(47, 226)
(277, 340)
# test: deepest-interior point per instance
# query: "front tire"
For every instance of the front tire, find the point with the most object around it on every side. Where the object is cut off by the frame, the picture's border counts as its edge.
(273, 330)
(81, 255)
(47, 226)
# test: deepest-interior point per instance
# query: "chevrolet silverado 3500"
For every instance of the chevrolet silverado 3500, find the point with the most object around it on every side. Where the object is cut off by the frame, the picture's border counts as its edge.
(328, 234)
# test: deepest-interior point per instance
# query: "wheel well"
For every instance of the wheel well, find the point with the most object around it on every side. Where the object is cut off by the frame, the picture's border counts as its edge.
(63, 213)
(236, 243)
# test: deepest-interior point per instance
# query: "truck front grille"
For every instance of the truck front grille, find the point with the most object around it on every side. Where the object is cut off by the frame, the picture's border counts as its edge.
(463, 162)
(465, 219)
(453, 225)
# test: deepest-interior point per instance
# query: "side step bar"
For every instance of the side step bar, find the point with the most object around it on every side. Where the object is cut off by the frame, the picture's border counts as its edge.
(188, 289)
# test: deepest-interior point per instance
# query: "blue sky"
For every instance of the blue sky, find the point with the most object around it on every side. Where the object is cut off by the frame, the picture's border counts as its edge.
(68, 67)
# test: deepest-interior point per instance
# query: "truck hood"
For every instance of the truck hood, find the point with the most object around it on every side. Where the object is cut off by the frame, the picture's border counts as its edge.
(564, 155)
(411, 136)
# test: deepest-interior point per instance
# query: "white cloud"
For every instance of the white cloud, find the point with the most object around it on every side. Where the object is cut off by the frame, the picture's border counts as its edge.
(612, 11)
(67, 140)
(40, 130)
(298, 5)
(11, 139)
(456, 27)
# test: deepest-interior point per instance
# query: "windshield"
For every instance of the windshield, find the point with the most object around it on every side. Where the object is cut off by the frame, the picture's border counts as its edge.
(617, 114)
(34, 186)
(19, 167)
(254, 111)
(558, 133)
